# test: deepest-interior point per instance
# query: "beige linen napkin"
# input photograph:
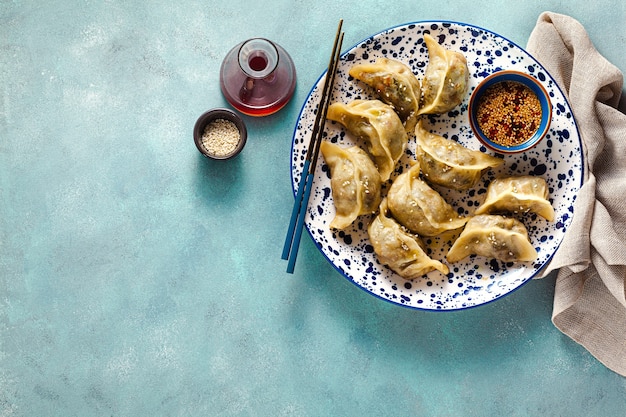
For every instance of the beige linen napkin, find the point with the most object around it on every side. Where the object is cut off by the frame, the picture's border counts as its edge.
(590, 298)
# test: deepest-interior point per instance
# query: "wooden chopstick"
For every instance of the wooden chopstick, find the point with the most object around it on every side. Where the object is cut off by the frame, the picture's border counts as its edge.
(298, 213)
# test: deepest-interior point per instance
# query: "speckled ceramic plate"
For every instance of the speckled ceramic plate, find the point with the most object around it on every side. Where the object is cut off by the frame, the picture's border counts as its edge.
(476, 280)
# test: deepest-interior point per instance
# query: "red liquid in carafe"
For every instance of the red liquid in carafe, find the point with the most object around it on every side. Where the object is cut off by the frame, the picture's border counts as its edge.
(258, 63)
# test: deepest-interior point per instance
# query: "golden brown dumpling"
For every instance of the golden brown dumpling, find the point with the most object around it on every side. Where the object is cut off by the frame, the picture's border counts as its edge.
(401, 251)
(378, 125)
(395, 84)
(447, 163)
(419, 208)
(446, 80)
(518, 195)
(493, 236)
(355, 183)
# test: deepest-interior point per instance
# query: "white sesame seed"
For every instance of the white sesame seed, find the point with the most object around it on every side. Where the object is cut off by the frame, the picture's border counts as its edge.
(220, 137)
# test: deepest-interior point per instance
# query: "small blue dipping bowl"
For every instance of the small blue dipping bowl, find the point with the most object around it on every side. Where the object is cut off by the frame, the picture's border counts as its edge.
(522, 78)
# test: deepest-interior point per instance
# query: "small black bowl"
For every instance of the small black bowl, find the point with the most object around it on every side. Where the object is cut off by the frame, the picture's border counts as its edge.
(220, 114)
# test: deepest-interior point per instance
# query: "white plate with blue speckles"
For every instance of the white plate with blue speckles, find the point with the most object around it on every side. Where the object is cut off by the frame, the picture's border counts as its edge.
(475, 280)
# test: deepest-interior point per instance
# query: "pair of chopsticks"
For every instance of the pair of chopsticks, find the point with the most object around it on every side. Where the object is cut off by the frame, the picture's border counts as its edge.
(292, 241)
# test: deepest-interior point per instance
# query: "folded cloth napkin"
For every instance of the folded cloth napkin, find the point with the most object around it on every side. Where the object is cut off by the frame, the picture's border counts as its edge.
(590, 298)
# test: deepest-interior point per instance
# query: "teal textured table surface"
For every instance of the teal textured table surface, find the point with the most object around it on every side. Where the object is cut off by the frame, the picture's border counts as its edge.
(138, 278)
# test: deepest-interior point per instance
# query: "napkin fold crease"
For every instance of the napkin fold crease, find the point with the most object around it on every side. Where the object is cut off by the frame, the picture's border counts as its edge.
(590, 298)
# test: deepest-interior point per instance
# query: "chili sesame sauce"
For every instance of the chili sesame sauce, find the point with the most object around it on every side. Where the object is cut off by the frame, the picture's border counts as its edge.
(509, 113)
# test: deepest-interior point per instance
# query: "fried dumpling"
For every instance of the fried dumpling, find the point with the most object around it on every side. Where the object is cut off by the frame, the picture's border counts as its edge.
(493, 236)
(378, 125)
(419, 208)
(446, 80)
(447, 163)
(401, 251)
(354, 181)
(395, 85)
(518, 195)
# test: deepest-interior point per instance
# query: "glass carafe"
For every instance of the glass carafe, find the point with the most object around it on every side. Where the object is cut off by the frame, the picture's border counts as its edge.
(258, 77)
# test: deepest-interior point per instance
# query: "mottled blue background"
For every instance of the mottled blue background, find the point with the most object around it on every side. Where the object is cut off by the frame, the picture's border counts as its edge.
(138, 278)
